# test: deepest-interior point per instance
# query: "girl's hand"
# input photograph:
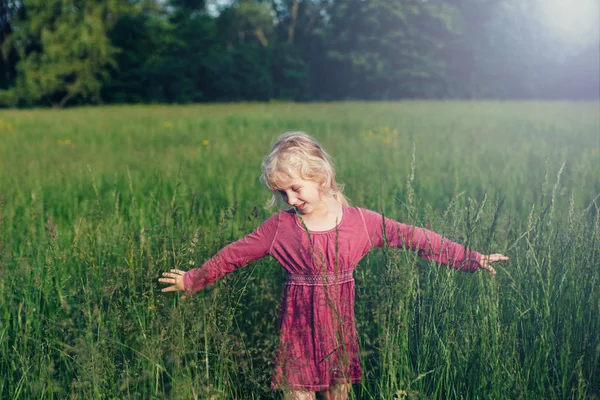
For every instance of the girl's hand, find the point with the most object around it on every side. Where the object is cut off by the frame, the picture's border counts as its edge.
(486, 261)
(175, 277)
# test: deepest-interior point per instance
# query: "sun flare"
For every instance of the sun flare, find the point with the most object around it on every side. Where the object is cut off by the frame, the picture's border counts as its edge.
(573, 20)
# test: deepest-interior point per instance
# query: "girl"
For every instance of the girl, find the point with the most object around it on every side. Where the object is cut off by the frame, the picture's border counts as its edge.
(318, 241)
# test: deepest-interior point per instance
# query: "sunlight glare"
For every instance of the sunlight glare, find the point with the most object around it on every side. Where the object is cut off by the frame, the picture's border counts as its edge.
(573, 20)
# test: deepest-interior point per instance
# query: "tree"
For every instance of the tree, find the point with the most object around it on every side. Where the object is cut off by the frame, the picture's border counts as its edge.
(387, 48)
(299, 19)
(298, 54)
(8, 11)
(189, 5)
(243, 19)
(64, 49)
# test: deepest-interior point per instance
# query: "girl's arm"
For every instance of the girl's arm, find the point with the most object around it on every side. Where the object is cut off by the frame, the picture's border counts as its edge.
(426, 243)
(231, 257)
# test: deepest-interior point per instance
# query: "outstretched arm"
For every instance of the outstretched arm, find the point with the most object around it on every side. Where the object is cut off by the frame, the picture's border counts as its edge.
(233, 256)
(428, 244)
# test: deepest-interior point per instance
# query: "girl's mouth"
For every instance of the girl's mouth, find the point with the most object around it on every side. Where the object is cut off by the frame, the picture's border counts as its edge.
(300, 207)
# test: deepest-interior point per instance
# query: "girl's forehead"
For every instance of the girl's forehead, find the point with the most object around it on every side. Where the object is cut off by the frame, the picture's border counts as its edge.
(285, 181)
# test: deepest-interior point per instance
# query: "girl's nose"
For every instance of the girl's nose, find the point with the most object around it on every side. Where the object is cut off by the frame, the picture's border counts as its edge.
(288, 199)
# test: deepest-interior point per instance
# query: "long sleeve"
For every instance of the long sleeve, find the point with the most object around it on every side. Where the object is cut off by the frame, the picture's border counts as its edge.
(233, 256)
(428, 244)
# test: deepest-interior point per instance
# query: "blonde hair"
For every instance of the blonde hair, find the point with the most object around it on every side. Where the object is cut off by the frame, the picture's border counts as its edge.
(298, 153)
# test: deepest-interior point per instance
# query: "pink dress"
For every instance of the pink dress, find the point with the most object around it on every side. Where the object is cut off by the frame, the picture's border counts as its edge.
(318, 344)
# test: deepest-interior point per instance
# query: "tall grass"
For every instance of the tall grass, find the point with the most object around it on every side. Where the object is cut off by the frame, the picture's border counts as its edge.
(96, 202)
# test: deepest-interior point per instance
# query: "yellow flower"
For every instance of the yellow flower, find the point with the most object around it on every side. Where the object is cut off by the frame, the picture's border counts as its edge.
(205, 142)
(5, 125)
(168, 124)
(66, 142)
(381, 133)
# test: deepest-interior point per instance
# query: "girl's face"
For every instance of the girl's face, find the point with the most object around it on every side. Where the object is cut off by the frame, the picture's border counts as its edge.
(304, 195)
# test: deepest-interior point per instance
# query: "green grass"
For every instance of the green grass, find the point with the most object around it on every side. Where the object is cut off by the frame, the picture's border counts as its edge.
(87, 225)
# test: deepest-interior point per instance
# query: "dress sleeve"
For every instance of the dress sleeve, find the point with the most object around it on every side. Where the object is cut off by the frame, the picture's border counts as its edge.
(233, 256)
(428, 244)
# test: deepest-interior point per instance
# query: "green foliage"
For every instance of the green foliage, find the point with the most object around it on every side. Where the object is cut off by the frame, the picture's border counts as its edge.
(244, 20)
(290, 72)
(181, 60)
(64, 50)
(182, 51)
(8, 12)
(189, 5)
(390, 47)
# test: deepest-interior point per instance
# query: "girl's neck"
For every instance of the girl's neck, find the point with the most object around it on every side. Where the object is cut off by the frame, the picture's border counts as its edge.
(325, 217)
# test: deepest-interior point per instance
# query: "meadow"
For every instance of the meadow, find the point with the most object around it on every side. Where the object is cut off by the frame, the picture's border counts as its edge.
(96, 202)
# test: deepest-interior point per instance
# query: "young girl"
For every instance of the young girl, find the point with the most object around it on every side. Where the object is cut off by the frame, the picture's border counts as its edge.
(318, 241)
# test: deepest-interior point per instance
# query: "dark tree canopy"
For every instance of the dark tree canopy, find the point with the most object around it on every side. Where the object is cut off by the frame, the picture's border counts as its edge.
(63, 52)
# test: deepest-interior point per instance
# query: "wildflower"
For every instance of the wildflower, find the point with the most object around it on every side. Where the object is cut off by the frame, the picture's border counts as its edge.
(384, 134)
(205, 142)
(66, 142)
(5, 125)
(168, 124)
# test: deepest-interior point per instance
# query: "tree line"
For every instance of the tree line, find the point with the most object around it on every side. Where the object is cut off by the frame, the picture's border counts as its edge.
(69, 52)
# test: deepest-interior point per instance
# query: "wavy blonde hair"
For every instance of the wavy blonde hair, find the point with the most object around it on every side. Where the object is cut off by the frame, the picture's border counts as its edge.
(297, 153)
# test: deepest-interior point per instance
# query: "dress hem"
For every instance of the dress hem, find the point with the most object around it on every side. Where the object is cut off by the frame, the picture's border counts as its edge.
(313, 388)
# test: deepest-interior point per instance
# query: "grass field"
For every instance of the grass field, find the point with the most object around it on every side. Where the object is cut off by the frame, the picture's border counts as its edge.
(96, 202)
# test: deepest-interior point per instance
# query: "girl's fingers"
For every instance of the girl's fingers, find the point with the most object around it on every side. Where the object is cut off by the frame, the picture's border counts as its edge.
(175, 273)
(486, 262)
(486, 265)
(498, 257)
(174, 278)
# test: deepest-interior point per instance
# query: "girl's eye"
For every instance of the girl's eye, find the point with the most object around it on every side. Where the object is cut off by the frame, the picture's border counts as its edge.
(296, 189)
